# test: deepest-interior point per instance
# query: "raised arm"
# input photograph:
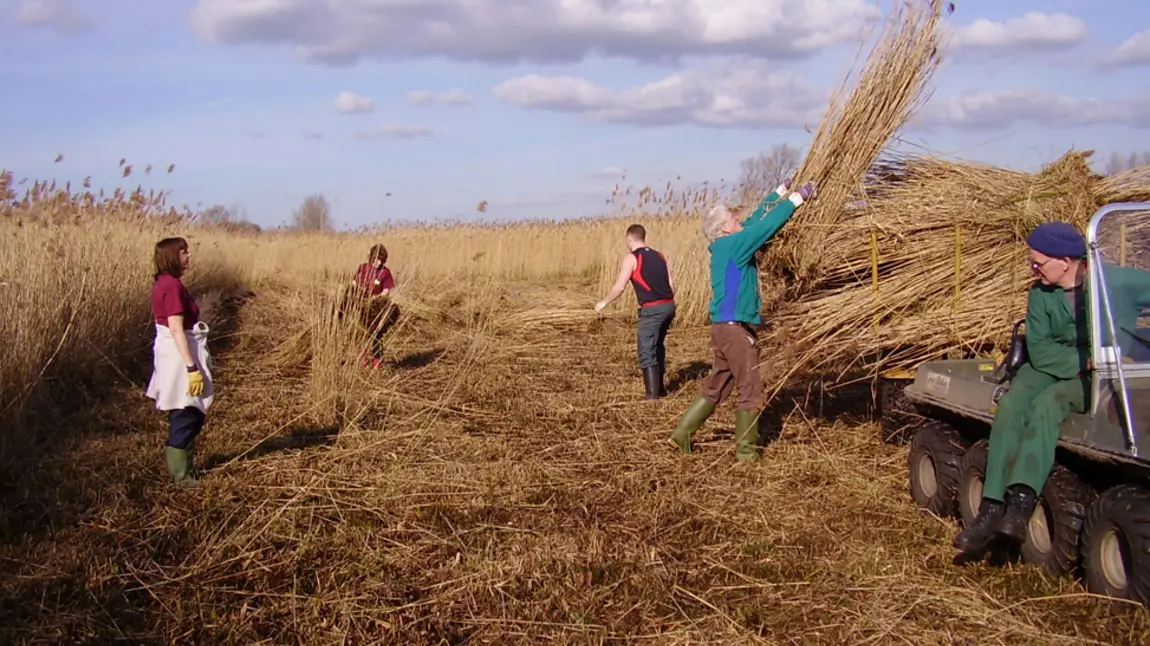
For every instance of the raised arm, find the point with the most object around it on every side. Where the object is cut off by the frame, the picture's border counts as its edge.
(626, 266)
(768, 202)
(758, 232)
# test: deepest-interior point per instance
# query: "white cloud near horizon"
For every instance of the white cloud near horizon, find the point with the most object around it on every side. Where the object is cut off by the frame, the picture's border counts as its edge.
(352, 103)
(1133, 51)
(426, 98)
(735, 93)
(991, 110)
(1033, 31)
(60, 15)
(739, 95)
(395, 132)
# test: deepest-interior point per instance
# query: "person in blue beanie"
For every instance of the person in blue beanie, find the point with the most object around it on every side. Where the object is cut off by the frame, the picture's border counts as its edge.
(1053, 383)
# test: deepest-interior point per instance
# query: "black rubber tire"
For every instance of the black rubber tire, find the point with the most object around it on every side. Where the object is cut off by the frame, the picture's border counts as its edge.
(972, 473)
(935, 452)
(1122, 513)
(1054, 534)
(896, 414)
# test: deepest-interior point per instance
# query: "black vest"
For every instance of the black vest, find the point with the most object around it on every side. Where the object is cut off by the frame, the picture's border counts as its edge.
(650, 280)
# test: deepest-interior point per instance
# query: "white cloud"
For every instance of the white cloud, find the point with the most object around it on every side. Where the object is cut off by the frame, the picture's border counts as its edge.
(1134, 51)
(610, 172)
(421, 98)
(457, 97)
(352, 103)
(540, 31)
(57, 14)
(1032, 31)
(425, 98)
(734, 93)
(991, 110)
(396, 132)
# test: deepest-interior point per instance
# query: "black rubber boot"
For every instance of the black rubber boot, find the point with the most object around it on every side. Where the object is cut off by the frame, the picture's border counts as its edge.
(981, 531)
(691, 421)
(1020, 503)
(653, 382)
(662, 374)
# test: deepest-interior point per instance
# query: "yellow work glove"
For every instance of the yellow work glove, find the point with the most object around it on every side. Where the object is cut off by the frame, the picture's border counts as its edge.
(195, 383)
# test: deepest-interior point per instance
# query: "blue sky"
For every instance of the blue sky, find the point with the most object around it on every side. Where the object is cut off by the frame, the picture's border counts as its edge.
(531, 105)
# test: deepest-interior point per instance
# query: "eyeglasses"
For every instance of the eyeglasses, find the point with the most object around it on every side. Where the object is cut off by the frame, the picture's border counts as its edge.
(1037, 266)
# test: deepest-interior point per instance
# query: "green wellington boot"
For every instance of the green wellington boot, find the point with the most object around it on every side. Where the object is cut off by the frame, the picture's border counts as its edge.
(746, 435)
(192, 460)
(691, 421)
(179, 466)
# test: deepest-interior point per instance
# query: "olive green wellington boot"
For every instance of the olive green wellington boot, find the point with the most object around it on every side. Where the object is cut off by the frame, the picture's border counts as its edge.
(179, 466)
(746, 435)
(691, 421)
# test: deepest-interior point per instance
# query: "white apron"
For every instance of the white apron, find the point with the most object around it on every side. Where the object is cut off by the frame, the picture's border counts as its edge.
(169, 383)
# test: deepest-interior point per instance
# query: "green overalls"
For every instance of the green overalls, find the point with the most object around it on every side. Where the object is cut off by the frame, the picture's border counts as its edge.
(1054, 382)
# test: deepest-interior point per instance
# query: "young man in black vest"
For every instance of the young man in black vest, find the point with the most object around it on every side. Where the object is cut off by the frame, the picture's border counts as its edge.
(650, 275)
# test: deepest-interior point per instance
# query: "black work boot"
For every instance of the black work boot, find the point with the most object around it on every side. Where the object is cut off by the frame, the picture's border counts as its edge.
(653, 382)
(1020, 503)
(981, 531)
(662, 374)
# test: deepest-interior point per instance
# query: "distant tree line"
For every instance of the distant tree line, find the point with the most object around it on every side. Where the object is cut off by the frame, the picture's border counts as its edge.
(313, 214)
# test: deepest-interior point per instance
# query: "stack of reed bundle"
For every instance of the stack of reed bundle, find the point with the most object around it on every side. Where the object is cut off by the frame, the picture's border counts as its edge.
(933, 262)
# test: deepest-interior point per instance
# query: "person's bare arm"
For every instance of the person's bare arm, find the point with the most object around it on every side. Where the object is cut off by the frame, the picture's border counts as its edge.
(625, 269)
(176, 325)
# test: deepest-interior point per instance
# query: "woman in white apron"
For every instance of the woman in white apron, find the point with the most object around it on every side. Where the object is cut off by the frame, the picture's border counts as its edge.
(181, 380)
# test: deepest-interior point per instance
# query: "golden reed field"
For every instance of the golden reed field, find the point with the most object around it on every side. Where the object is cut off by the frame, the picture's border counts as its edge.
(497, 480)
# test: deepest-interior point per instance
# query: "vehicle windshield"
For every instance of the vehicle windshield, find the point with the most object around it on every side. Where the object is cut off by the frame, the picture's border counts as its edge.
(1124, 251)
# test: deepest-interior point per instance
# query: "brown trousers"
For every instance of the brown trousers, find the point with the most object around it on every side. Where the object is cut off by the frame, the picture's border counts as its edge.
(736, 364)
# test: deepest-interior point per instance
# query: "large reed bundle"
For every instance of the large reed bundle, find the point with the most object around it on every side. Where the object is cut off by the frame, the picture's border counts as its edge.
(1131, 186)
(947, 242)
(856, 129)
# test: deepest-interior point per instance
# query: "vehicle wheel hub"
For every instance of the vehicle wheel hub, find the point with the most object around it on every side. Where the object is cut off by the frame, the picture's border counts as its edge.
(1113, 559)
(926, 477)
(1038, 531)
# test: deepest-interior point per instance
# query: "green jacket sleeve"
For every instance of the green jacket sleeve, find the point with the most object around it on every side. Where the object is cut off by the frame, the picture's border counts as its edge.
(746, 242)
(761, 209)
(1046, 354)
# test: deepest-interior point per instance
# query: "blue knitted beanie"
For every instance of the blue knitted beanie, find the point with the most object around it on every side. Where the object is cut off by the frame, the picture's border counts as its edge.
(1057, 240)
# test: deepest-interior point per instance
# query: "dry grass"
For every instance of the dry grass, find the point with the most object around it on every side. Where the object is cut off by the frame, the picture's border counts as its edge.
(496, 483)
(74, 276)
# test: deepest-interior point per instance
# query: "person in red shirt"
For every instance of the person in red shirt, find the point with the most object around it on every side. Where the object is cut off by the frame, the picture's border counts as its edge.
(373, 276)
(372, 285)
(181, 382)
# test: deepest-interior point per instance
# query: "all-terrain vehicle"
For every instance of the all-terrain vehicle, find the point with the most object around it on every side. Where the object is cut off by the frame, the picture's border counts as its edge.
(1093, 515)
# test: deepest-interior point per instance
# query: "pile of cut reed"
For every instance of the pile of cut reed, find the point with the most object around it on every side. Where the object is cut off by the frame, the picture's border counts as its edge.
(934, 264)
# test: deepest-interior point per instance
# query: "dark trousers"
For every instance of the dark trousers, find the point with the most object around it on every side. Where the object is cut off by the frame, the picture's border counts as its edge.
(736, 364)
(183, 426)
(654, 321)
